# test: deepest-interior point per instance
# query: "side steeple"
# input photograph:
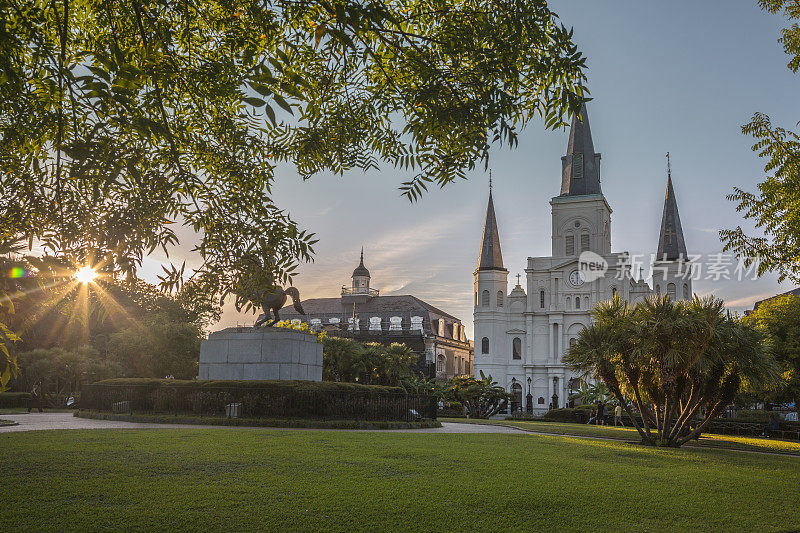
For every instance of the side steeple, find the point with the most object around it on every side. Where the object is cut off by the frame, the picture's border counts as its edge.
(490, 258)
(671, 245)
(580, 172)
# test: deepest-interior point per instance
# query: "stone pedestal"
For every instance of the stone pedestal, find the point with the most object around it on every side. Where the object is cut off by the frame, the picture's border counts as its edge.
(263, 353)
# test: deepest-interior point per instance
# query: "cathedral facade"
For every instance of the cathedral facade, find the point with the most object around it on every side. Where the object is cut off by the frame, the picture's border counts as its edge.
(521, 335)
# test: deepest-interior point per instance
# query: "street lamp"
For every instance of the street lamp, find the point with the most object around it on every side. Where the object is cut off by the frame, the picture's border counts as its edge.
(529, 398)
(555, 392)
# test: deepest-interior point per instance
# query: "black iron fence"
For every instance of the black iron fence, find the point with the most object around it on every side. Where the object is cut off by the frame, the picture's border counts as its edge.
(253, 402)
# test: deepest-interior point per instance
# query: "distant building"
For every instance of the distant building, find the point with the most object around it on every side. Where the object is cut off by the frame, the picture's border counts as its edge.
(793, 292)
(361, 313)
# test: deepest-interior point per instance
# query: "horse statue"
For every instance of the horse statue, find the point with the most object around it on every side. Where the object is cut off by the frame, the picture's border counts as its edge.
(274, 301)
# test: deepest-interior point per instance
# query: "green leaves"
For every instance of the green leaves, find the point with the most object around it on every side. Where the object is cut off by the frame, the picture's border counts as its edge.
(118, 121)
(775, 209)
(668, 359)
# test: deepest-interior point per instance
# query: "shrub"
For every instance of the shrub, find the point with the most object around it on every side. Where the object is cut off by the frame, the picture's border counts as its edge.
(755, 415)
(14, 399)
(290, 399)
(567, 414)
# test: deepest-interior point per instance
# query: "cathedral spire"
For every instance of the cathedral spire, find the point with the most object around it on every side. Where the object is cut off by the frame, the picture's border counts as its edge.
(490, 257)
(581, 166)
(671, 245)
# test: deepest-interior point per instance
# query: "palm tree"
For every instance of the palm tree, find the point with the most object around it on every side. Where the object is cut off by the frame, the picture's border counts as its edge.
(672, 360)
(400, 360)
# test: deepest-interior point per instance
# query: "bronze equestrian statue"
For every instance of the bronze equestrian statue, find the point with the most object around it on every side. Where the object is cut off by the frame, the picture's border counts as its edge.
(274, 301)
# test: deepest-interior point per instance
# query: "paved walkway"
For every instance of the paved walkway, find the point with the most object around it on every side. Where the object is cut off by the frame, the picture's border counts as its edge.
(43, 421)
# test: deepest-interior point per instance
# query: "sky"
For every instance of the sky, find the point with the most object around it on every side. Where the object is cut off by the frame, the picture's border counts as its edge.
(679, 77)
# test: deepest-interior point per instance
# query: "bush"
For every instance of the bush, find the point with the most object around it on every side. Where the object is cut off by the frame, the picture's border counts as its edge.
(453, 410)
(289, 399)
(14, 399)
(755, 415)
(567, 414)
(278, 386)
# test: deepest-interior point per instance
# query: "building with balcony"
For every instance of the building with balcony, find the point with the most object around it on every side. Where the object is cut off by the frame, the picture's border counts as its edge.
(361, 313)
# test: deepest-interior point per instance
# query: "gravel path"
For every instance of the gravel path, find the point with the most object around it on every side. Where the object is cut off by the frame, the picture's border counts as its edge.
(44, 421)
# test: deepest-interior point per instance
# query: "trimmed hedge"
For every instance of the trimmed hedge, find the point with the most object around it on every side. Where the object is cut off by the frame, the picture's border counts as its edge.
(567, 414)
(259, 422)
(259, 399)
(14, 399)
(274, 385)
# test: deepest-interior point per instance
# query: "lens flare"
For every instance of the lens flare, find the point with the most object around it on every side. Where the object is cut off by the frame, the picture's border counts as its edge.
(17, 272)
(85, 274)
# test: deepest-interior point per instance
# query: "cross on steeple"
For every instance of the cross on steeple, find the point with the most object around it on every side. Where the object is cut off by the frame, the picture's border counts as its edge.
(669, 170)
(490, 181)
(518, 276)
(669, 234)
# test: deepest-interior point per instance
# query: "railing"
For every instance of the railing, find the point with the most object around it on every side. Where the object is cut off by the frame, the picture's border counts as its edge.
(260, 403)
(347, 291)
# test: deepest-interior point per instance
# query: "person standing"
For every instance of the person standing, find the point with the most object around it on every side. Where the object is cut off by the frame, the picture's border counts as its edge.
(36, 397)
(601, 412)
(618, 416)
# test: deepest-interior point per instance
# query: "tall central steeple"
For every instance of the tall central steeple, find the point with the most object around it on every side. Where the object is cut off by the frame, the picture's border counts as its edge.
(490, 258)
(580, 172)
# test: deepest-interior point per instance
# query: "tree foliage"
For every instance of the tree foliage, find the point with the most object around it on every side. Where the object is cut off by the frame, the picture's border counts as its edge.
(120, 120)
(775, 209)
(60, 373)
(483, 397)
(781, 318)
(679, 364)
(370, 363)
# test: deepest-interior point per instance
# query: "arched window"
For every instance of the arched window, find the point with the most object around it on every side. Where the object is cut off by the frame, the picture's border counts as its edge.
(578, 302)
(485, 345)
(516, 350)
(540, 401)
(570, 244)
(499, 298)
(686, 295)
(541, 298)
(485, 299)
(671, 291)
(572, 342)
(658, 290)
(440, 363)
(569, 303)
(586, 302)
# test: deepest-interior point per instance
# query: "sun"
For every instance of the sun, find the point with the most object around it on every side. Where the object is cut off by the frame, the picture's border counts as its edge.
(85, 274)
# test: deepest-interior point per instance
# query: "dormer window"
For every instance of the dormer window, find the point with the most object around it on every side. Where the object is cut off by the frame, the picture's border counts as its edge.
(577, 165)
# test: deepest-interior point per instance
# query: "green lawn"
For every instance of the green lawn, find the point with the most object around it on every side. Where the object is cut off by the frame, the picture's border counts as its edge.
(254, 479)
(734, 442)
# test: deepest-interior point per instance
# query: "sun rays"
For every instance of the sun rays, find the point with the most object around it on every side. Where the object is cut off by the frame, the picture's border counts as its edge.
(64, 300)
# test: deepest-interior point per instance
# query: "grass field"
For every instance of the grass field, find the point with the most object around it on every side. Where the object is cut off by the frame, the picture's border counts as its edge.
(756, 444)
(248, 479)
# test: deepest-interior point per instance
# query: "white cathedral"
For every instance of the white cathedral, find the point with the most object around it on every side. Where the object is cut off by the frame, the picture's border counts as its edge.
(520, 336)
